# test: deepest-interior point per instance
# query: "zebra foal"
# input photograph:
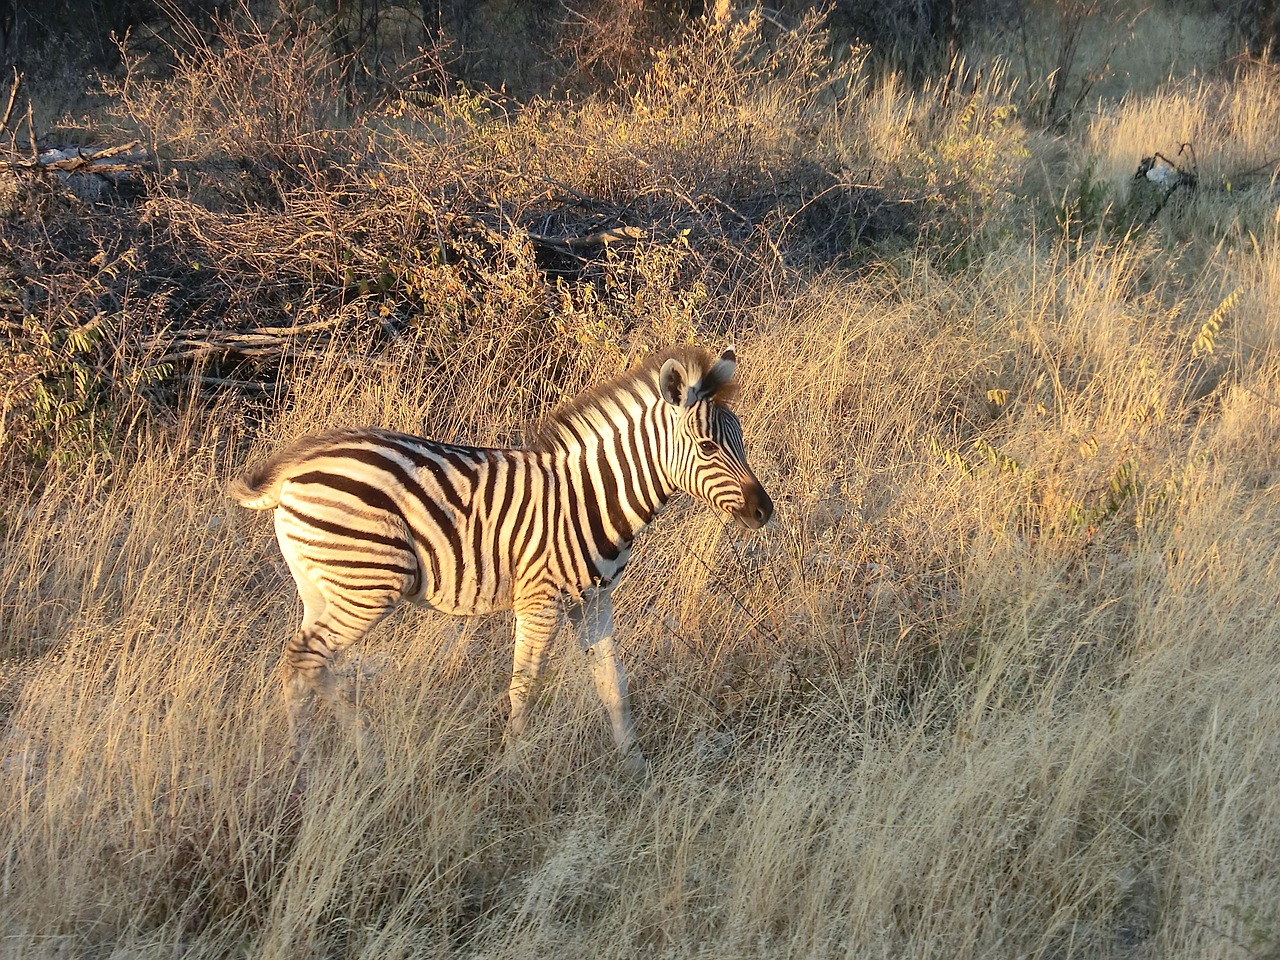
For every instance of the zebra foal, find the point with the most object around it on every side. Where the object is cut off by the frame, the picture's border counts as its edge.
(367, 518)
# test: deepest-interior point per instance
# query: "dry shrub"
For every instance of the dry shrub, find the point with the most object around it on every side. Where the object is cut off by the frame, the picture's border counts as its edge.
(79, 290)
(955, 149)
(446, 217)
(253, 92)
(1233, 127)
(450, 222)
(1226, 133)
(604, 41)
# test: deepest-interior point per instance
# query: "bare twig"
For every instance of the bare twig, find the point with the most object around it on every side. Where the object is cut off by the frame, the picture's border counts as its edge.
(13, 96)
(597, 239)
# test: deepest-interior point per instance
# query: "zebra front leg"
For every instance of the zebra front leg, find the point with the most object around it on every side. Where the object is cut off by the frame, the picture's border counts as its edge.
(592, 618)
(536, 625)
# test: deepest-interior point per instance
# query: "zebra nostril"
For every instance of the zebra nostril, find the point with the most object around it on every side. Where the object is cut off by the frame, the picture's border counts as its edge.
(754, 513)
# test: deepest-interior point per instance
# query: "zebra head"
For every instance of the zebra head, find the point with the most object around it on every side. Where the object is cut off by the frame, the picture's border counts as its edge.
(706, 455)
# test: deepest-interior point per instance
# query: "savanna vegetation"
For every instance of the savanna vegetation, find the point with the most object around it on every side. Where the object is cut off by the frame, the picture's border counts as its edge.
(1000, 679)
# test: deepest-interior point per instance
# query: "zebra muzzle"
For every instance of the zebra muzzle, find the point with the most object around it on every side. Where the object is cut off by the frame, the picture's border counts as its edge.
(756, 507)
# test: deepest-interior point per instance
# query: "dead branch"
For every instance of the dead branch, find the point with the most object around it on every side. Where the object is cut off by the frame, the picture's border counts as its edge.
(599, 238)
(13, 96)
(75, 160)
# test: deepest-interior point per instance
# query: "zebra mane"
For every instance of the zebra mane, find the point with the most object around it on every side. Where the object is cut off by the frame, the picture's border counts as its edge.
(640, 381)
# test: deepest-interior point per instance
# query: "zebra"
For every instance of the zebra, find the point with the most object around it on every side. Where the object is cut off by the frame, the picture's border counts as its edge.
(367, 518)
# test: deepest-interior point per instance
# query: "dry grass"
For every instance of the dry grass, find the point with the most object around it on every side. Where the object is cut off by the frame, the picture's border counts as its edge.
(998, 680)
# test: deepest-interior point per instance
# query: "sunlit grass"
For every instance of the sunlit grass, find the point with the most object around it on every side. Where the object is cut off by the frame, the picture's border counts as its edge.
(999, 679)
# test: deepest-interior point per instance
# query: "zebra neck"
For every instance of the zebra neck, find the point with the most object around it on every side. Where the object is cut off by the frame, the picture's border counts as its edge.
(617, 471)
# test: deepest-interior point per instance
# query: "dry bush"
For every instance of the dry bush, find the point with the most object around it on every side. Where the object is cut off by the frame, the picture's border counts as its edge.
(1213, 145)
(1163, 43)
(954, 149)
(253, 92)
(77, 291)
(917, 38)
(1231, 128)
(595, 229)
(1070, 54)
(604, 41)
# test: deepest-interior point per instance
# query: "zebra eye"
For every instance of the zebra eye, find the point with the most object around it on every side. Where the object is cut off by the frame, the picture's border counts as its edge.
(708, 448)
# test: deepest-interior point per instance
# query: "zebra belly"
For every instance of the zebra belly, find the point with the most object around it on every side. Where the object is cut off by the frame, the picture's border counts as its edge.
(445, 602)
(459, 590)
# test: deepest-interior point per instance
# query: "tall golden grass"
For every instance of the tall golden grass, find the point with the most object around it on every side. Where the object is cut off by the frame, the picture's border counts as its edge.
(1000, 679)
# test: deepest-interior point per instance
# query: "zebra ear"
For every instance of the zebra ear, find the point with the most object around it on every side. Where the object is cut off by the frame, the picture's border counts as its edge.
(672, 383)
(721, 372)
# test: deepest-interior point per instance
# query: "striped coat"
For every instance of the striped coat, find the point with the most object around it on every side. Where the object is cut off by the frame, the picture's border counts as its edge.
(367, 518)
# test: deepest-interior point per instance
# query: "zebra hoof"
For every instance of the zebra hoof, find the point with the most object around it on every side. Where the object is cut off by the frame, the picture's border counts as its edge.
(635, 766)
(515, 758)
(369, 751)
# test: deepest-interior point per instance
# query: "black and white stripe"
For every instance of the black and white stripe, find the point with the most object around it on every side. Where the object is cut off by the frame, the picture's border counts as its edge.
(367, 518)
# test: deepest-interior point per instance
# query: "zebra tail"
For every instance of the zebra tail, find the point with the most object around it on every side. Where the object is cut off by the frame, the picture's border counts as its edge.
(259, 488)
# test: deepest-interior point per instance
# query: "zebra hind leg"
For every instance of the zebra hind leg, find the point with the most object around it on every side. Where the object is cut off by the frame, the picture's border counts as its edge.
(299, 699)
(308, 673)
(536, 624)
(339, 608)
